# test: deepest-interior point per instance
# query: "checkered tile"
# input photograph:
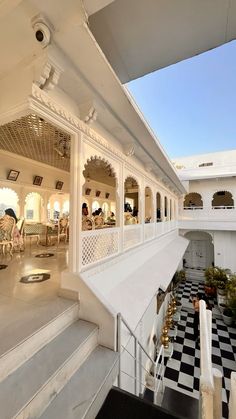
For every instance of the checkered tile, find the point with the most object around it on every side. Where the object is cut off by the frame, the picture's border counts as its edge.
(183, 368)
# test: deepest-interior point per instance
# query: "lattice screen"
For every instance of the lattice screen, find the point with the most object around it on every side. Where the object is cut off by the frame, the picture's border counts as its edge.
(33, 137)
(132, 236)
(98, 245)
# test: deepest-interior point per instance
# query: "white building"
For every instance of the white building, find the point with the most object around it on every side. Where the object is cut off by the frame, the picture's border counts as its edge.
(207, 214)
(67, 122)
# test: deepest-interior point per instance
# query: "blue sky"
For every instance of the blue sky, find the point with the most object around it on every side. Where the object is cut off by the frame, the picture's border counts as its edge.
(191, 106)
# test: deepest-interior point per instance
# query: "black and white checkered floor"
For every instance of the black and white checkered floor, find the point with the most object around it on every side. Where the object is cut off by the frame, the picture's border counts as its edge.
(183, 368)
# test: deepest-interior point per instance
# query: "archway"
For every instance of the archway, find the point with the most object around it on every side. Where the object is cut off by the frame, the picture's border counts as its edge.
(100, 184)
(159, 209)
(131, 200)
(200, 251)
(222, 199)
(193, 200)
(165, 207)
(33, 207)
(8, 199)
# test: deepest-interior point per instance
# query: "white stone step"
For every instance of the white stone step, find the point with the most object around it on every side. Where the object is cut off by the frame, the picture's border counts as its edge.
(195, 274)
(26, 392)
(85, 393)
(24, 350)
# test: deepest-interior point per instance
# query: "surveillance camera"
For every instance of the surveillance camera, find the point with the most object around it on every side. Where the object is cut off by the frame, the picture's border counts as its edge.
(42, 30)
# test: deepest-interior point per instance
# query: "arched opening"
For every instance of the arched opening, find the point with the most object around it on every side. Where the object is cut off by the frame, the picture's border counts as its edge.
(193, 200)
(8, 199)
(66, 208)
(170, 209)
(222, 200)
(158, 203)
(33, 207)
(148, 205)
(95, 206)
(165, 207)
(100, 183)
(131, 201)
(56, 210)
(200, 251)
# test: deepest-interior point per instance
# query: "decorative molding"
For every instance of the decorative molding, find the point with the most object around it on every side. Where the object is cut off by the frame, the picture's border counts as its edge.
(129, 149)
(49, 77)
(43, 98)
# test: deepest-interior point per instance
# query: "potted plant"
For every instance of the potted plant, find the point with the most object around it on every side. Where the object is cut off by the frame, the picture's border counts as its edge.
(231, 294)
(210, 288)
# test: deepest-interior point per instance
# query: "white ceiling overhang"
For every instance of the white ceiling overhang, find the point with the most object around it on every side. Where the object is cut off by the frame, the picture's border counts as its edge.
(86, 77)
(139, 37)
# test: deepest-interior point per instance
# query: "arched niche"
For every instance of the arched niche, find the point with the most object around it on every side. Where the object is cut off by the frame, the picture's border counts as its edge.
(159, 208)
(131, 200)
(100, 183)
(200, 251)
(148, 205)
(193, 200)
(33, 207)
(8, 199)
(222, 199)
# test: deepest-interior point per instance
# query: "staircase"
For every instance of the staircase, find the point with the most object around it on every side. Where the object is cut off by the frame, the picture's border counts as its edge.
(59, 371)
(122, 405)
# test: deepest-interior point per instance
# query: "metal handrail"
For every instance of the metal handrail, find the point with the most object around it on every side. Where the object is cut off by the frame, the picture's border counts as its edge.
(120, 320)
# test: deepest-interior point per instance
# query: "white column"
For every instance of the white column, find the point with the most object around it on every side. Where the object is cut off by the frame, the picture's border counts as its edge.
(76, 181)
(142, 206)
(232, 398)
(120, 206)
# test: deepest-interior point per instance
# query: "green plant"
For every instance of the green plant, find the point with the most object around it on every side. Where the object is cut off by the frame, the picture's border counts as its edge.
(216, 277)
(231, 294)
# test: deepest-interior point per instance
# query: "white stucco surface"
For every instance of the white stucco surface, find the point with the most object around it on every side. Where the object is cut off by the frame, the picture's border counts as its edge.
(130, 284)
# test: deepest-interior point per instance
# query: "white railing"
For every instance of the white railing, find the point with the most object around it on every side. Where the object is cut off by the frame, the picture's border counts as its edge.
(132, 235)
(232, 397)
(99, 245)
(220, 213)
(149, 231)
(210, 378)
(156, 368)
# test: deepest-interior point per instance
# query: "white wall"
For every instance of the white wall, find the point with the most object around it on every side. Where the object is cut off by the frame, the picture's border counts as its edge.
(28, 169)
(225, 249)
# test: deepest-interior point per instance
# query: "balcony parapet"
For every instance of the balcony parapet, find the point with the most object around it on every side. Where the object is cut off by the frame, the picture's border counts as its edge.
(101, 245)
(219, 213)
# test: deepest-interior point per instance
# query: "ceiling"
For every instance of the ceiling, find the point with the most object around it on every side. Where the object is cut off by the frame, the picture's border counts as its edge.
(139, 37)
(36, 139)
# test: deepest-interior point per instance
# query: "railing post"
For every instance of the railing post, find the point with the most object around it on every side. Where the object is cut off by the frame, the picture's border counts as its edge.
(136, 367)
(217, 398)
(232, 397)
(119, 347)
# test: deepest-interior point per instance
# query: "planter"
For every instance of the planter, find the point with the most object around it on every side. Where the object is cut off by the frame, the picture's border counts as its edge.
(227, 316)
(210, 291)
(221, 291)
(178, 306)
(222, 306)
(227, 320)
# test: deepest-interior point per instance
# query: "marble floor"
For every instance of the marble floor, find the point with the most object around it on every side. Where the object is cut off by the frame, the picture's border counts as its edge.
(183, 368)
(25, 307)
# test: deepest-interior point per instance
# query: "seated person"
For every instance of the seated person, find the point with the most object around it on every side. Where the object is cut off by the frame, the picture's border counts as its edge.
(17, 237)
(85, 210)
(111, 219)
